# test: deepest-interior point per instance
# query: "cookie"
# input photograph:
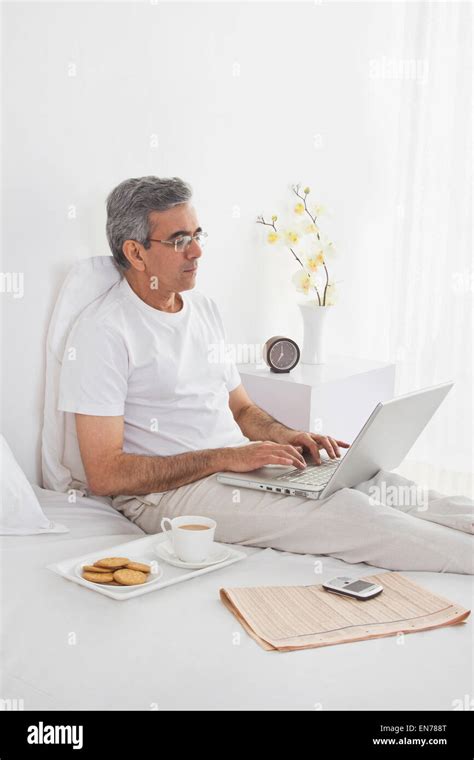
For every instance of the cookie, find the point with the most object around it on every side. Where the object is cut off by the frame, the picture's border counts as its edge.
(98, 577)
(140, 566)
(94, 569)
(112, 563)
(129, 577)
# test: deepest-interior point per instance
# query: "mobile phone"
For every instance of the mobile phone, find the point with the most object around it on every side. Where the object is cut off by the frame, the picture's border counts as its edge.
(353, 587)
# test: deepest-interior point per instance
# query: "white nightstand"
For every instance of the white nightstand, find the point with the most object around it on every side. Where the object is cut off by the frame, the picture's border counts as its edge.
(334, 398)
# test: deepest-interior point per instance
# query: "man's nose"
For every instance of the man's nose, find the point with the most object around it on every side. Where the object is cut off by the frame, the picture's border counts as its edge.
(194, 250)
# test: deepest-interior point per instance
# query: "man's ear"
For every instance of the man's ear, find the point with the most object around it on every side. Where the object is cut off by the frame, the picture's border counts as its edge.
(133, 253)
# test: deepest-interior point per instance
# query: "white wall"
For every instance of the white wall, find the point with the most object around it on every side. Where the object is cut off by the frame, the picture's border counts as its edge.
(90, 85)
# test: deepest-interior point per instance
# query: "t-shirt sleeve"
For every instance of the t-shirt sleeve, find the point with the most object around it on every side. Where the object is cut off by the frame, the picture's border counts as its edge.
(94, 372)
(232, 374)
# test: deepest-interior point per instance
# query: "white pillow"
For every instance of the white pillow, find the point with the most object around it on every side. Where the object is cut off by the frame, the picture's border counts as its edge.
(88, 280)
(20, 510)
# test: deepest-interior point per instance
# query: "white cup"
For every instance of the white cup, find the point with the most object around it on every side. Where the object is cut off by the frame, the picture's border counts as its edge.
(190, 545)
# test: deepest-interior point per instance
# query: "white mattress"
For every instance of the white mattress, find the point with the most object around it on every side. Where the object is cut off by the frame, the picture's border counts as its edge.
(175, 649)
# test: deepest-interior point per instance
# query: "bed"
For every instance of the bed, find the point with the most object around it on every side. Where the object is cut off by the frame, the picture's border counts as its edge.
(67, 648)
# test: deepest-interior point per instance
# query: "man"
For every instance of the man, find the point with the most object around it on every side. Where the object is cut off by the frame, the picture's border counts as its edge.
(156, 419)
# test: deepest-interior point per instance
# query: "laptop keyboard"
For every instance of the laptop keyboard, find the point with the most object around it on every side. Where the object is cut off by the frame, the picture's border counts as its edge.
(313, 475)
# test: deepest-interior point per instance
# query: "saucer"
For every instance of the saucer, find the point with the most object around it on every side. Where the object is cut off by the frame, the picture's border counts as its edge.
(218, 554)
(154, 575)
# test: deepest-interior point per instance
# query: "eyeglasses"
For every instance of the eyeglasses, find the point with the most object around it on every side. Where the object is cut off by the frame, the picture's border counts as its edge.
(184, 241)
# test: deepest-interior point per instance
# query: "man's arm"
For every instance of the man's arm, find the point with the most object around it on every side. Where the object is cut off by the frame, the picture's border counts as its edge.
(258, 425)
(110, 471)
(254, 422)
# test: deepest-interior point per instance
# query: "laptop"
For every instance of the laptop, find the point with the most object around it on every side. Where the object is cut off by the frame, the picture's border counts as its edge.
(382, 444)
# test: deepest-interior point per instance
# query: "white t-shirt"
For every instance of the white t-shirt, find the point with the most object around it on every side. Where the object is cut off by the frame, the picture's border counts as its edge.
(166, 373)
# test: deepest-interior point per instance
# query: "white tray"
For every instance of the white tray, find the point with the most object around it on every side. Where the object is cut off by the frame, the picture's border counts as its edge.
(141, 547)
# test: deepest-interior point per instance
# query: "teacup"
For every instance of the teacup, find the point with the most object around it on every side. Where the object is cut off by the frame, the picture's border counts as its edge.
(190, 536)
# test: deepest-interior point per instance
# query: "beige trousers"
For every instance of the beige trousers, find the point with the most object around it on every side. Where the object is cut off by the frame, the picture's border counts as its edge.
(387, 521)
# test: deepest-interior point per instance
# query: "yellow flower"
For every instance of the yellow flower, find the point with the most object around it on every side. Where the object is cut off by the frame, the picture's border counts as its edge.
(303, 280)
(291, 237)
(299, 208)
(273, 237)
(310, 228)
(315, 261)
(274, 218)
(306, 190)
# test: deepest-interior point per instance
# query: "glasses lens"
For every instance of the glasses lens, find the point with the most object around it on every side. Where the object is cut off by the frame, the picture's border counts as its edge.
(182, 243)
(201, 238)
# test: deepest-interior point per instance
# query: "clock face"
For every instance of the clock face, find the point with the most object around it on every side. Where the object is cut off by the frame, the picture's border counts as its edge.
(283, 354)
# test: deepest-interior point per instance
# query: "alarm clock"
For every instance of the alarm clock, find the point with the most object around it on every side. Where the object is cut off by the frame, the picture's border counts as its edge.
(281, 354)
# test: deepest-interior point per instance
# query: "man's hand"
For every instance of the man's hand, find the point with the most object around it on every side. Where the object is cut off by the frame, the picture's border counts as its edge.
(257, 424)
(313, 443)
(254, 455)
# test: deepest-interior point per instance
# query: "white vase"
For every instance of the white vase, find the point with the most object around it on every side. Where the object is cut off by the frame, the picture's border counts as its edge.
(314, 332)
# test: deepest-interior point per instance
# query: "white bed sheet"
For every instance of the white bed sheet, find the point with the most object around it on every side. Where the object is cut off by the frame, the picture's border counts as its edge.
(179, 648)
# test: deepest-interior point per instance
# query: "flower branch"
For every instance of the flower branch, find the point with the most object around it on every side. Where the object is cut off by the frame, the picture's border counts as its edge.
(297, 233)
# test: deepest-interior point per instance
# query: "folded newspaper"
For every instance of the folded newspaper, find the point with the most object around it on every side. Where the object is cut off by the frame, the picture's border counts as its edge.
(283, 618)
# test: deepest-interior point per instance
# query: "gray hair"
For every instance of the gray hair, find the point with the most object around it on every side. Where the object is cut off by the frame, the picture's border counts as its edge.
(129, 206)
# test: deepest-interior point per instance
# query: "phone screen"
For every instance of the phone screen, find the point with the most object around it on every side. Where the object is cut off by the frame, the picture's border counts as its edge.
(358, 586)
